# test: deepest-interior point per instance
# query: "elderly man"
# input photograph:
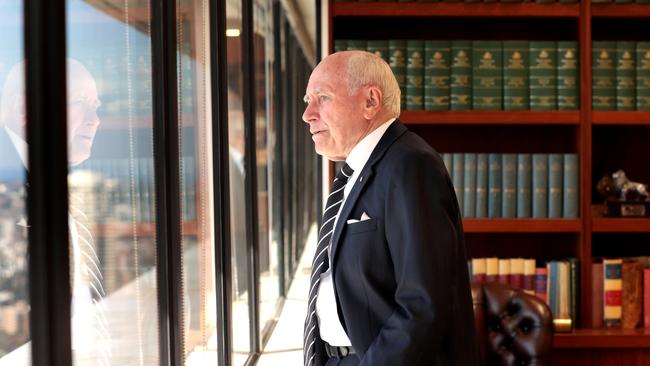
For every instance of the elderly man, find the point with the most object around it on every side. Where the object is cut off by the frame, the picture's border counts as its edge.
(89, 327)
(389, 284)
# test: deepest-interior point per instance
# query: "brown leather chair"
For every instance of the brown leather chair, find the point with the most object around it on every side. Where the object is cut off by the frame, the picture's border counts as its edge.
(513, 328)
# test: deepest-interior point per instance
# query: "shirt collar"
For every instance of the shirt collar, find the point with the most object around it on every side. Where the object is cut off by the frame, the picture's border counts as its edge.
(19, 144)
(361, 152)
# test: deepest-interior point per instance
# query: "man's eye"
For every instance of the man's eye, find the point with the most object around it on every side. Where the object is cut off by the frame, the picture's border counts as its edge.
(322, 98)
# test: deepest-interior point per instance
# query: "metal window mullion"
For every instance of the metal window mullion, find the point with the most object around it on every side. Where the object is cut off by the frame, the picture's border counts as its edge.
(250, 182)
(278, 161)
(47, 189)
(167, 181)
(220, 154)
(319, 159)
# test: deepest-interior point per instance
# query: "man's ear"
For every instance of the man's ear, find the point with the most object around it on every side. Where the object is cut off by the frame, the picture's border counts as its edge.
(373, 101)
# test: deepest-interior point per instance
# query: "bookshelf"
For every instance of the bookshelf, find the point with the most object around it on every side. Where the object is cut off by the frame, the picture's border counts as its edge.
(604, 140)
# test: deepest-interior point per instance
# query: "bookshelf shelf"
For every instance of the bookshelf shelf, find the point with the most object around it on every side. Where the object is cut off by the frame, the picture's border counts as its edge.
(620, 10)
(621, 118)
(476, 117)
(522, 225)
(603, 338)
(486, 10)
(620, 225)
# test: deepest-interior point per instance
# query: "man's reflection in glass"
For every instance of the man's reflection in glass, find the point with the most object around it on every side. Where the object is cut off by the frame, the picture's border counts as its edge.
(89, 326)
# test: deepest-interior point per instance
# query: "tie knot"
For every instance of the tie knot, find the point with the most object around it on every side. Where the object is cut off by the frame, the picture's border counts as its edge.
(345, 173)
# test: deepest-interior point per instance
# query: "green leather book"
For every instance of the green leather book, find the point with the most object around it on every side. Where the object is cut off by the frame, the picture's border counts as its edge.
(625, 76)
(340, 45)
(643, 1)
(461, 75)
(397, 57)
(494, 186)
(357, 45)
(643, 76)
(437, 62)
(469, 186)
(414, 75)
(487, 78)
(524, 186)
(458, 177)
(540, 185)
(571, 186)
(568, 97)
(603, 75)
(542, 77)
(515, 75)
(379, 48)
(482, 185)
(555, 170)
(509, 188)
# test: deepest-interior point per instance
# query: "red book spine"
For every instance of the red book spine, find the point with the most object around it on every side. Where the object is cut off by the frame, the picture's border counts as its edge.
(646, 298)
(517, 280)
(479, 278)
(504, 271)
(597, 295)
(541, 277)
(529, 283)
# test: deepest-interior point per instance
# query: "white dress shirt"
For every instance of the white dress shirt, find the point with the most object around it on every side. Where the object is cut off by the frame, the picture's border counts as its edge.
(329, 324)
(82, 304)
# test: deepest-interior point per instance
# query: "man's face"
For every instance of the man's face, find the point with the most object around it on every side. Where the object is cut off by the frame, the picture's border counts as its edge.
(335, 118)
(82, 114)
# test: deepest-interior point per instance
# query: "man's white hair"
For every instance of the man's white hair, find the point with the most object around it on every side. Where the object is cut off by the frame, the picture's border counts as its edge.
(365, 69)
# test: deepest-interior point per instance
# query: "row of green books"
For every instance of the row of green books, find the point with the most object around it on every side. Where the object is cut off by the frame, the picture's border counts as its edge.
(515, 185)
(556, 283)
(481, 75)
(620, 75)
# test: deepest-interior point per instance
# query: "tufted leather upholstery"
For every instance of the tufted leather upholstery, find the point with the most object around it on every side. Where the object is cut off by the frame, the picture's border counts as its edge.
(513, 328)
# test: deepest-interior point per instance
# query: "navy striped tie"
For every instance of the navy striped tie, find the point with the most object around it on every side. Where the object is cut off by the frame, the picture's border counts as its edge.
(321, 259)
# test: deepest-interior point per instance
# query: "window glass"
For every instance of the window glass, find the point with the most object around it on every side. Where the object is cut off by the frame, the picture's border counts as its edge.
(14, 290)
(265, 132)
(239, 249)
(111, 183)
(199, 298)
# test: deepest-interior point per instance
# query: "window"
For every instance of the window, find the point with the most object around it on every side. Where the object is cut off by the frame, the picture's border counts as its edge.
(14, 291)
(111, 184)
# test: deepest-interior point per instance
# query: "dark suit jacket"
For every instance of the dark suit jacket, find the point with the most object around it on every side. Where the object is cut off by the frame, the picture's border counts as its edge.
(401, 280)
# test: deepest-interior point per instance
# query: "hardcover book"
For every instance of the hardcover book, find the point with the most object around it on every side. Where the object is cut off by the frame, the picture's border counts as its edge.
(437, 67)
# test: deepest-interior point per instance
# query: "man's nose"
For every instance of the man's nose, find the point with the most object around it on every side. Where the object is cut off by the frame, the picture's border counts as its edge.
(92, 119)
(310, 114)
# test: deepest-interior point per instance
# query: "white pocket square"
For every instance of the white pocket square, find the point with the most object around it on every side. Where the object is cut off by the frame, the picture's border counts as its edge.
(364, 217)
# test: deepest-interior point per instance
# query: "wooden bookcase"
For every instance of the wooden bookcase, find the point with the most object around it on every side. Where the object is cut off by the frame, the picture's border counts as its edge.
(604, 140)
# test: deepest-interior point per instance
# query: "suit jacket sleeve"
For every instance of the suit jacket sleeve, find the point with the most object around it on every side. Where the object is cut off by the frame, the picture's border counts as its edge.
(423, 239)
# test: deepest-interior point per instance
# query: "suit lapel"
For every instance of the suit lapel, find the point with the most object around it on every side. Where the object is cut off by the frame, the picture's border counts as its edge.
(395, 130)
